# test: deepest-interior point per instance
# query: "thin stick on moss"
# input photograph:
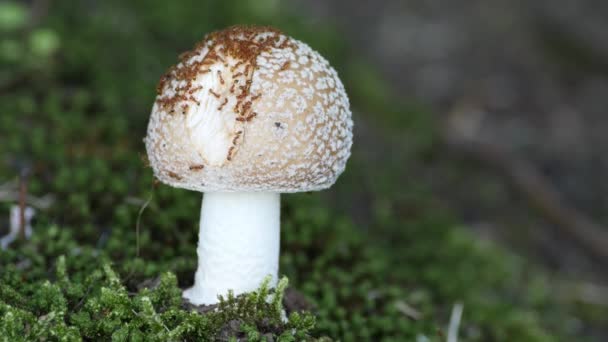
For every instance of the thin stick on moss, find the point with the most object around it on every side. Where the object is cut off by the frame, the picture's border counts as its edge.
(537, 191)
(22, 198)
(9, 193)
(138, 222)
(454, 325)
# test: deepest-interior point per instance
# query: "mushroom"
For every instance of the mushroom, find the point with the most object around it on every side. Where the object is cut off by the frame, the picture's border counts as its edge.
(248, 114)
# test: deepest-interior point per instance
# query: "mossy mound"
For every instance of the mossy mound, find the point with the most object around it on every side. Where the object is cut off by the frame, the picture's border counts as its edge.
(75, 101)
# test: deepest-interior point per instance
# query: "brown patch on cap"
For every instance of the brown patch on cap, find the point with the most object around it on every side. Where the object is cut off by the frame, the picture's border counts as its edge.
(243, 43)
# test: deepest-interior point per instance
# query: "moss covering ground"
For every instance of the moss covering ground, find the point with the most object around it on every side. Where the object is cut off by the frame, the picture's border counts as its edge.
(377, 257)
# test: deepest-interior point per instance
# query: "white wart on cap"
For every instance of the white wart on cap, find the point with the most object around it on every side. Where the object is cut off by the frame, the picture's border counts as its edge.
(250, 109)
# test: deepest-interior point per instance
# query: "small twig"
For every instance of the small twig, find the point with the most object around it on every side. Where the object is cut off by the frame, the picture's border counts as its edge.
(156, 318)
(15, 226)
(454, 325)
(11, 192)
(585, 292)
(537, 191)
(84, 297)
(41, 203)
(22, 204)
(137, 224)
(407, 310)
(136, 201)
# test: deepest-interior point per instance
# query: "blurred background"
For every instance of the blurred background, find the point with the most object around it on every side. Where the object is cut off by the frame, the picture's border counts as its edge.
(477, 175)
(527, 82)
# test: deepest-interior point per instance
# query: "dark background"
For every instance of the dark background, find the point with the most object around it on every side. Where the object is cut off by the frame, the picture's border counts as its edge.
(526, 78)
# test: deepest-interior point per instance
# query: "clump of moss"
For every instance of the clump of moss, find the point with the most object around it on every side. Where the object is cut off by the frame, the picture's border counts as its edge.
(52, 286)
(98, 306)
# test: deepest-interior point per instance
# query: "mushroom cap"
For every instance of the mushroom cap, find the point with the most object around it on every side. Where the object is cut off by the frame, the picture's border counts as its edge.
(250, 109)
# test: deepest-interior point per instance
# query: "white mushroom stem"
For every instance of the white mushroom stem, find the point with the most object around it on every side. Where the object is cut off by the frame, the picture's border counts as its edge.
(238, 244)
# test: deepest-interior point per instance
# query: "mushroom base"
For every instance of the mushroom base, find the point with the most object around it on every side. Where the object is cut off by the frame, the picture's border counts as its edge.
(238, 246)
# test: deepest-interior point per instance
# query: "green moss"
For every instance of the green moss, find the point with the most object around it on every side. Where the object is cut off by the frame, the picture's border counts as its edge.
(76, 120)
(106, 310)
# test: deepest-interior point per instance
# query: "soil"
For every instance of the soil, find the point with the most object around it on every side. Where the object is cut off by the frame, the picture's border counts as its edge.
(293, 301)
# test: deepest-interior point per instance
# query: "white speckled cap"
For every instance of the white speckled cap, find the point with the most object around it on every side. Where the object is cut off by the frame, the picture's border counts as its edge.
(250, 109)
